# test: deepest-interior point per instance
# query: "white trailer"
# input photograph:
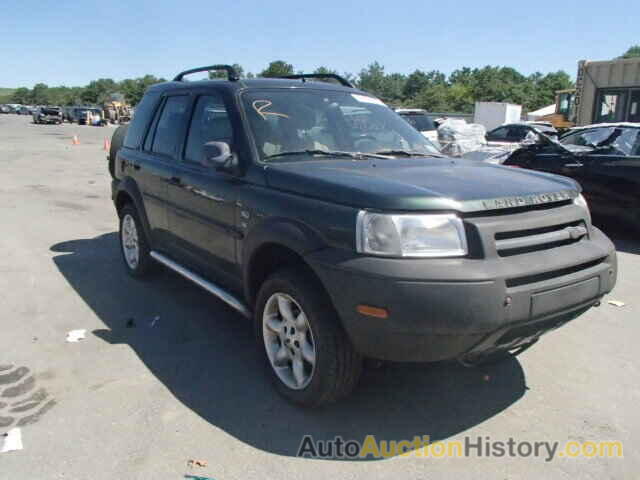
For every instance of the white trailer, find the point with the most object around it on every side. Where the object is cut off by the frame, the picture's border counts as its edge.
(494, 114)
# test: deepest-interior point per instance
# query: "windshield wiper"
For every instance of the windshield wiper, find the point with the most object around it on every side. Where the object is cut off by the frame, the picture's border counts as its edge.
(408, 153)
(328, 153)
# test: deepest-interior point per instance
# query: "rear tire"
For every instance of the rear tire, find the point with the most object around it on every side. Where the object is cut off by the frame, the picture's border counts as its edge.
(308, 354)
(134, 244)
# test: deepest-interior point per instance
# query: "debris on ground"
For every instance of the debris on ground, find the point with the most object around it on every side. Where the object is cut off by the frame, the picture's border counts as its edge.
(153, 322)
(616, 303)
(197, 463)
(12, 441)
(76, 335)
(131, 323)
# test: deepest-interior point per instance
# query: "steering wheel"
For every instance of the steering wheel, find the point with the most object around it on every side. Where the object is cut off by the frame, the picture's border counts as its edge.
(357, 143)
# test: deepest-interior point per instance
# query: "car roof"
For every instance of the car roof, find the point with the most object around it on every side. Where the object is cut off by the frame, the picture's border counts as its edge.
(605, 125)
(256, 83)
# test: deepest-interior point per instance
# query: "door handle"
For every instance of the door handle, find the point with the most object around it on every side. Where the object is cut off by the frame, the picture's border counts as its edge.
(175, 181)
(574, 165)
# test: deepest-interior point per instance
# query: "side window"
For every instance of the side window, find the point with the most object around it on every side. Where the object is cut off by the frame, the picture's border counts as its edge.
(499, 133)
(170, 126)
(627, 141)
(210, 123)
(517, 133)
(140, 121)
(589, 138)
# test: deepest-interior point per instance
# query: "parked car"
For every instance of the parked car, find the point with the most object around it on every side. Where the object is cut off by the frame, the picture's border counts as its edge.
(422, 122)
(24, 110)
(604, 159)
(48, 115)
(69, 114)
(517, 132)
(5, 109)
(342, 233)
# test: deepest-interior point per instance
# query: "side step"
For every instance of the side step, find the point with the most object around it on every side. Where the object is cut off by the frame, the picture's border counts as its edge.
(207, 285)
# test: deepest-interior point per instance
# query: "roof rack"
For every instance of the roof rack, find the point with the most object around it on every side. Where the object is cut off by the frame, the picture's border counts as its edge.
(303, 76)
(232, 75)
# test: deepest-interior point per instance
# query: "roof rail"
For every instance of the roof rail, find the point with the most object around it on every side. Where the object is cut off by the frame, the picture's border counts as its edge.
(303, 76)
(232, 75)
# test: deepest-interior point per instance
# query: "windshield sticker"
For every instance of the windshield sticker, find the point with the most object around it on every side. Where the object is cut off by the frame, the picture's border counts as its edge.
(365, 99)
(261, 105)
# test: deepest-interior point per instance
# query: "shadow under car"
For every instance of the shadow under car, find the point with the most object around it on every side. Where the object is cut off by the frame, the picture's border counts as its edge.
(206, 355)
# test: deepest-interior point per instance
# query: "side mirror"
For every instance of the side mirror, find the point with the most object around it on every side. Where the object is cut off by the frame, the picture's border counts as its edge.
(216, 155)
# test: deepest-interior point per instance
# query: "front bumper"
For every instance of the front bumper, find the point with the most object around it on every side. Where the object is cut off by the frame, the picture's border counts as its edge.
(450, 308)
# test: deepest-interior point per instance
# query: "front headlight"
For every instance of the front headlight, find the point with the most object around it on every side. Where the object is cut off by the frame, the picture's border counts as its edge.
(404, 235)
(582, 202)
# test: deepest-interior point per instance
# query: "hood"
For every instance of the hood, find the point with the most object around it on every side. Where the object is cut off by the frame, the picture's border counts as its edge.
(419, 184)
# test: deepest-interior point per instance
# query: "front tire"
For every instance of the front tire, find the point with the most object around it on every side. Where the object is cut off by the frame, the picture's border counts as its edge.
(134, 244)
(309, 355)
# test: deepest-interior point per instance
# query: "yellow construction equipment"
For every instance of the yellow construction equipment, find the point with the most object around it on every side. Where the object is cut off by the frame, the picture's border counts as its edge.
(116, 112)
(565, 115)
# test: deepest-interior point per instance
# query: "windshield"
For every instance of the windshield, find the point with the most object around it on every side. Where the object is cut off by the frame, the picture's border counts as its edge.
(422, 123)
(311, 121)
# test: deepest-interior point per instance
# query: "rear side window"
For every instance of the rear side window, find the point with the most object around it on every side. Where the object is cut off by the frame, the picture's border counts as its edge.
(210, 123)
(168, 134)
(143, 113)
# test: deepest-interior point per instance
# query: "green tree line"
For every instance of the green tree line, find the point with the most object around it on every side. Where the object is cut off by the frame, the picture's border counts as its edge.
(432, 90)
(96, 92)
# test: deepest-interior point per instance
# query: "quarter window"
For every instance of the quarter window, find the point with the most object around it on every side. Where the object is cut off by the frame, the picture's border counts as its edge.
(140, 121)
(210, 123)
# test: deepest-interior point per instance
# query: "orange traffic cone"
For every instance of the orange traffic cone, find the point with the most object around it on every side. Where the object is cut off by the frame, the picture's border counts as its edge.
(75, 140)
(106, 145)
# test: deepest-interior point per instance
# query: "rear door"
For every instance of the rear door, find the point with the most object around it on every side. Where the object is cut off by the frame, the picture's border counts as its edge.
(149, 171)
(202, 212)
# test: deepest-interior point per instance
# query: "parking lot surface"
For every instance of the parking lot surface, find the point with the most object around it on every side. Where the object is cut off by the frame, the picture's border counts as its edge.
(168, 374)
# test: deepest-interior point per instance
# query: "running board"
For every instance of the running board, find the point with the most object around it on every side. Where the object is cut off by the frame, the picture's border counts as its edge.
(201, 282)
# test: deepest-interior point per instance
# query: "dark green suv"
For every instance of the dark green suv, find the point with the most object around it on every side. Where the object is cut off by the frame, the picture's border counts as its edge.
(343, 234)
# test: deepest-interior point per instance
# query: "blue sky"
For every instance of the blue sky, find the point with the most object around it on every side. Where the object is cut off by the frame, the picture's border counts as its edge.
(70, 43)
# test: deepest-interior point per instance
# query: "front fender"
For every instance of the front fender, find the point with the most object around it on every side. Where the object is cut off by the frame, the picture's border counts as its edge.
(279, 231)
